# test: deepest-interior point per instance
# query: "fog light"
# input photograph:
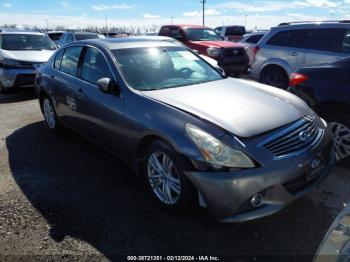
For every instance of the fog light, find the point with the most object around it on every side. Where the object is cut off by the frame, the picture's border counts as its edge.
(257, 200)
(8, 83)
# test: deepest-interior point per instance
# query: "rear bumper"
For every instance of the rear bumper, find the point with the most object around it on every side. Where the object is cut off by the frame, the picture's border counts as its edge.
(227, 195)
(12, 78)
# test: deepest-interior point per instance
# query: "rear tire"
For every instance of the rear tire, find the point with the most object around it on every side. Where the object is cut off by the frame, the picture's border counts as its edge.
(274, 76)
(50, 116)
(340, 127)
(163, 173)
(2, 89)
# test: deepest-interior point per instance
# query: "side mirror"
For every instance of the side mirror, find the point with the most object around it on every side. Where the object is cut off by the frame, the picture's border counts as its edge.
(179, 38)
(105, 84)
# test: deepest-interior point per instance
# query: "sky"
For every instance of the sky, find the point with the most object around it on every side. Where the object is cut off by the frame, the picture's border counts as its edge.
(259, 14)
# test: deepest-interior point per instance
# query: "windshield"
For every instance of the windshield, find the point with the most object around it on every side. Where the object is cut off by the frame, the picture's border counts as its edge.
(55, 36)
(201, 34)
(20, 42)
(86, 36)
(163, 67)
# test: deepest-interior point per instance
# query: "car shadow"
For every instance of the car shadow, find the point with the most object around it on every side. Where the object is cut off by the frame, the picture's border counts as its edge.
(86, 193)
(17, 96)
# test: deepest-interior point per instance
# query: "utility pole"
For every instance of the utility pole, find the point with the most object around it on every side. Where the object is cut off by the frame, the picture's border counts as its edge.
(172, 20)
(106, 25)
(245, 20)
(203, 2)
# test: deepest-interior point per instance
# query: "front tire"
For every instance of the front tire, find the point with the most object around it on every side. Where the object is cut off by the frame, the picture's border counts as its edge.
(163, 172)
(50, 116)
(340, 127)
(2, 89)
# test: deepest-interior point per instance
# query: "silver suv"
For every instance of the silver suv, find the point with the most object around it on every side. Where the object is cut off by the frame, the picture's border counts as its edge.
(292, 45)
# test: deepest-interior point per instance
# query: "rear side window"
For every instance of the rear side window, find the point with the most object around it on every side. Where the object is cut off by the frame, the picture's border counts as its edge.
(58, 59)
(286, 38)
(175, 33)
(320, 39)
(235, 30)
(95, 66)
(164, 31)
(70, 60)
(345, 47)
(254, 39)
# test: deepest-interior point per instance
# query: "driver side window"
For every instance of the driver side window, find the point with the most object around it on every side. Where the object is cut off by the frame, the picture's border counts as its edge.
(95, 66)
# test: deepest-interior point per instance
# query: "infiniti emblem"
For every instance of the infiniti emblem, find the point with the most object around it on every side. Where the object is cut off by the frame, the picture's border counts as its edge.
(316, 163)
(304, 136)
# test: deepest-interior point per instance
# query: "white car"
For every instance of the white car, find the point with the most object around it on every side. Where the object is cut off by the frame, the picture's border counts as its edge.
(21, 53)
(250, 41)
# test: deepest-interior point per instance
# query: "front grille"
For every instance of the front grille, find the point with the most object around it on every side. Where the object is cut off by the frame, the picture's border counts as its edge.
(233, 52)
(31, 65)
(295, 139)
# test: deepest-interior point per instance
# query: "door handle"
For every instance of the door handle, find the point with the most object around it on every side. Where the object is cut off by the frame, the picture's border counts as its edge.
(293, 54)
(80, 91)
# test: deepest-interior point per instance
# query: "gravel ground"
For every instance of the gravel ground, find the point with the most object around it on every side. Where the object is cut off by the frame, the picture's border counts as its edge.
(63, 197)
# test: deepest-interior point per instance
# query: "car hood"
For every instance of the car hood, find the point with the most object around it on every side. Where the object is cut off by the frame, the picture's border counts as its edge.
(241, 107)
(28, 56)
(219, 43)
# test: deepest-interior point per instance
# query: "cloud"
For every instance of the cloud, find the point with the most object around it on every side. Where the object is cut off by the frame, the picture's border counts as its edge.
(208, 12)
(111, 7)
(66, 4)
(7, 5)
(271, 6)
(150, 16)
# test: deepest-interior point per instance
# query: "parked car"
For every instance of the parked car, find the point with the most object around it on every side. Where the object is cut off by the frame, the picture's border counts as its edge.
(335, 246)
(21, 54)
(192, 134)
(232, 57)
(326, 90)
(55, 36)
(209, 60)
(232, 33)
(70, 36)
(292, 45)
(250, 41)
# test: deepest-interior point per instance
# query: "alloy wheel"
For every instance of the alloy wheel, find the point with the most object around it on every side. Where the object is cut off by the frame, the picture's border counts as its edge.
(341, 137)
(49, 113)
(163, 178)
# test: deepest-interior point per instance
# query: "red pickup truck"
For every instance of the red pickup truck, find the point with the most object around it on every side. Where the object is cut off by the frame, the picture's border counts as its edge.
(232, 57)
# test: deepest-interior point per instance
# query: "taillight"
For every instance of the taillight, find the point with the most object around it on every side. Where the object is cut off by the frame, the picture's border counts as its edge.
(297, 78)
(256, 50)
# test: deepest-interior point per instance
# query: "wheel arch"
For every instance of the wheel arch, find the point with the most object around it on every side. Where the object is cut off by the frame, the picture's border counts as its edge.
(276, 62)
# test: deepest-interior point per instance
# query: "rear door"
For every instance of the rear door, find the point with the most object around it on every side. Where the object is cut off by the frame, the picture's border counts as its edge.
(344, 47)
(101, 114)
(66, 84)
(319, 46)
(283, 46)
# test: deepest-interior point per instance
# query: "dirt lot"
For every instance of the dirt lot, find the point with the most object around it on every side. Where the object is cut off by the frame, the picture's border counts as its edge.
(64, 197)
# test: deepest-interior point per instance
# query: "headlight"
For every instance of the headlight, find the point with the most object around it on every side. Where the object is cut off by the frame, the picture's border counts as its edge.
(213, 51)
(4, 62)
(215, 152)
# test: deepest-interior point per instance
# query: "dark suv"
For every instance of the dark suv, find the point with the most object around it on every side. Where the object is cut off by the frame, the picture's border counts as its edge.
(69, 37)
(232, 57)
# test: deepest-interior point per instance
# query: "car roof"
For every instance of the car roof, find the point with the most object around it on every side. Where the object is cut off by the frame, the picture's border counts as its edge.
(125, 43)
(56, 32)
(19, 32)
(314, 24)
(188, 26)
